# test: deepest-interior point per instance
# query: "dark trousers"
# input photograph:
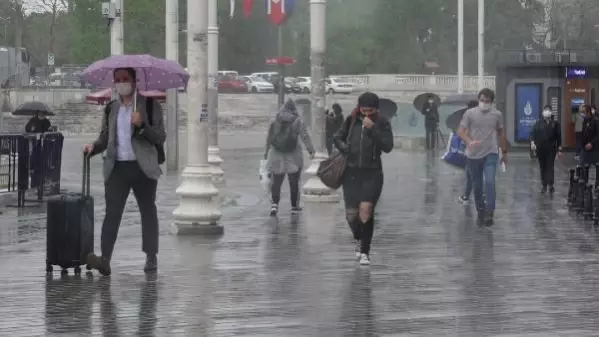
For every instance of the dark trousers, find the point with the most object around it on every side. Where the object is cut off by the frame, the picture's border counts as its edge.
(547, 165)
(579, 142)
(127, 176)
(277, 182)
(431, 136)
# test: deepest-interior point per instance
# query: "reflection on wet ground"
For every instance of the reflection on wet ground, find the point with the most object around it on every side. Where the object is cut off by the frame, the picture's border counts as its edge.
(434, 272)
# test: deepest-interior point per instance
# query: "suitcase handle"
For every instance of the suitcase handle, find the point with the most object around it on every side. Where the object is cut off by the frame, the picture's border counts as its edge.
(85, 179)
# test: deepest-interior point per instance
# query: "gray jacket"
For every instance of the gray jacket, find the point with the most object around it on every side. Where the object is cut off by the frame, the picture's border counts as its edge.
(280, 162)
(143, 142)
(577, 120)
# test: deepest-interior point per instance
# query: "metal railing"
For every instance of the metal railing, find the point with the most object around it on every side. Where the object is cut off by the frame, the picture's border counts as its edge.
(31, 163)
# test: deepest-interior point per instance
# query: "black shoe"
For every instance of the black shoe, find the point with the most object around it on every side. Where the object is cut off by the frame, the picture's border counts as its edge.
(551, 189)
(101, 264)
(480, 220)
(489, 219)
(151, 264)
(544, 189)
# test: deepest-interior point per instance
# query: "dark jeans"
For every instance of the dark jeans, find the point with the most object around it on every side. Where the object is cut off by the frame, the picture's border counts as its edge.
(362, 185)
(468, 189)
(483, 176)
(431, 137)
(127, 176)
(547, 166)
(277, 182)
(579, 144)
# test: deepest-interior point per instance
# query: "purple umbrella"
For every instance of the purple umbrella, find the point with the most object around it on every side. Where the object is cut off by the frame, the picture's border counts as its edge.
(152, 73)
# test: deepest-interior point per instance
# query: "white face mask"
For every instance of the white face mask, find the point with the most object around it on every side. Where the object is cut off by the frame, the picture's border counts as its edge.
(484, 106)
(546, 113)
(124, 89)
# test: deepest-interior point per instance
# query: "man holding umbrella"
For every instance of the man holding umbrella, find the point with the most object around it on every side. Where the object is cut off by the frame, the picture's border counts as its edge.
(431, 122)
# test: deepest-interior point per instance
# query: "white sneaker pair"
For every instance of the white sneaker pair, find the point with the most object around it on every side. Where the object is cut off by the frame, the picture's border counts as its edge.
(363, 258)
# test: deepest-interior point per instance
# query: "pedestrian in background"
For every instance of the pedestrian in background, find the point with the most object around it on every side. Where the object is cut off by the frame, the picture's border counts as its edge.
(546, 140)
(334, 120)
(131, 163)
(284, 154)
(431, 122)
(363, 137)
(589, 138)
(577, 119)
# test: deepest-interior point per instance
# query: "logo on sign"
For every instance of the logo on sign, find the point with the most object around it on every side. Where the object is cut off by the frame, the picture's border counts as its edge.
(576, 72)
(528, 109)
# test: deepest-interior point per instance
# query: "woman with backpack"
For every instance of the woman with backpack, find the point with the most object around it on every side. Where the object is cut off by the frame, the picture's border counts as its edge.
(284, 154)
(363, 137)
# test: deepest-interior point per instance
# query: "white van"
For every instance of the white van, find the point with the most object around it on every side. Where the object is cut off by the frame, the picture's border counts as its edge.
(268, 76)
(227, 73)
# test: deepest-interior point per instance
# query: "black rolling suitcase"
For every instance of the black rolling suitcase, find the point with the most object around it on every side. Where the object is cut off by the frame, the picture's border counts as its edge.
(70, 227)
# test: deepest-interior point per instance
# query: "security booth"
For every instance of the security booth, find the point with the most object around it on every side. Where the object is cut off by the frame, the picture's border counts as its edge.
(527, 80)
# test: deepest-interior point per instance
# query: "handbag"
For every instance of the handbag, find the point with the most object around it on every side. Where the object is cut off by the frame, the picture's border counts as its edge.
(455, 154)
(330, 171)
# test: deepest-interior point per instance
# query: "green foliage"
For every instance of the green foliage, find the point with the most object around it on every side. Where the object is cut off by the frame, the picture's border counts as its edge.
(364, 36)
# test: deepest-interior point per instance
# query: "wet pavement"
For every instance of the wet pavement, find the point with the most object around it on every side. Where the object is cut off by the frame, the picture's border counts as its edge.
(434, 272)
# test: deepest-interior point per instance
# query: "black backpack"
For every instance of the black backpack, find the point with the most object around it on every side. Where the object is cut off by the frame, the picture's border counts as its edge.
(150, 112)
(283, 138)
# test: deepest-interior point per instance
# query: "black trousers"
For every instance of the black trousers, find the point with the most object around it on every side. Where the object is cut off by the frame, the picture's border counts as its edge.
(431, 136)
(127, 176)
(277, 182)
(362, 185)
(547, 167)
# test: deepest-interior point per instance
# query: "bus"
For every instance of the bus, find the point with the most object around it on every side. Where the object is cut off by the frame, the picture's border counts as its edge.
(14, 67)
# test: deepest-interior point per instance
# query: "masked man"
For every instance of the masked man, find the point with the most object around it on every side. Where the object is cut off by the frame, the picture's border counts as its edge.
(546, 140)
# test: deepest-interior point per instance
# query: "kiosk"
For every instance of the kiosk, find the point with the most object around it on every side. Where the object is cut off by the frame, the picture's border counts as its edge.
(528, 80)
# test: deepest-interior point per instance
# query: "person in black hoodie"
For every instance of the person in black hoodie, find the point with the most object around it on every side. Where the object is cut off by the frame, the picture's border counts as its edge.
(546, 140)
(363, 137)
(590, 138)
(431, 122)
(38, 124)
(334, 120)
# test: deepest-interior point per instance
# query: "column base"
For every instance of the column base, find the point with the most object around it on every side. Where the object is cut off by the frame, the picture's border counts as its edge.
(314, 190)
(215, 161)
(197, 212)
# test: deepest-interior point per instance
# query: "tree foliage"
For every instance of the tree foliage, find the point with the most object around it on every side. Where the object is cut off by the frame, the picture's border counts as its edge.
(374, 36)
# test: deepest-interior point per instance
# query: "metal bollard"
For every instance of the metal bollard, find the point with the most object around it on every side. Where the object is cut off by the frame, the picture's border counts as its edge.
(571, 186)
(578, 171)
(588, 203)
(586, 173)
(580, 195)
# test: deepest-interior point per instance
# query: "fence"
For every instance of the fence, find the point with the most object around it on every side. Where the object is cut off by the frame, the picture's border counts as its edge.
(31, 162)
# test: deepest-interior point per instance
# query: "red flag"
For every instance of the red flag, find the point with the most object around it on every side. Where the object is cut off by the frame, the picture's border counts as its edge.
(247, 7)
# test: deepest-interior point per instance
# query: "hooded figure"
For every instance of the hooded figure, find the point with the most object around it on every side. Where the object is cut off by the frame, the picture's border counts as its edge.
(334, 120)
(546, 140)
(431, 122)
(284, 153)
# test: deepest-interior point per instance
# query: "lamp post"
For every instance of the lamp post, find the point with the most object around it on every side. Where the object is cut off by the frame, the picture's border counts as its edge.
(460, 46)
(314, 190)
(481, 44)
(214, 158)
(117, 30)
(197, 212)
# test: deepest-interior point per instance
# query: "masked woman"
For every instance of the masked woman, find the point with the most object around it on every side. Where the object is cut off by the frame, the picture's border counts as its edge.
(546, 140)
(363, 137)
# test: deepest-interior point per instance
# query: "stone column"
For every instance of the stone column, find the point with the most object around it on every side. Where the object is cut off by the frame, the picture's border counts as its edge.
(314, 190)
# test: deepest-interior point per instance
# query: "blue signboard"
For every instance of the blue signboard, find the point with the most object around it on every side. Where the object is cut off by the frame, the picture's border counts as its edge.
(576, 72)
(528, 108)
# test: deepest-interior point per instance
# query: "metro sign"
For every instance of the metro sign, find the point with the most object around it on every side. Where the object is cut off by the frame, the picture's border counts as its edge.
(279, 11)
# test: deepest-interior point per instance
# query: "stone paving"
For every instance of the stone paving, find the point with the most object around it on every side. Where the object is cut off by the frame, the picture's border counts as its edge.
(434, 272)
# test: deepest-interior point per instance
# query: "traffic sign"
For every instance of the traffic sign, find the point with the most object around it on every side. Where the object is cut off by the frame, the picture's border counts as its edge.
(50, 59)
(279, 11)
(283, 60)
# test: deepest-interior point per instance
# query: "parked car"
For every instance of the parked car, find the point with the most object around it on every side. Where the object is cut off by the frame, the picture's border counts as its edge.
(305, 83)
(335, 85)
(231, 84)
(291, 86)
(257, 84)
(267, 76)
(221, 73)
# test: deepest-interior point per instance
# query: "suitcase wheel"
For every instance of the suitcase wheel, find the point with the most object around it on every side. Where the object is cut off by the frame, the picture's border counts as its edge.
(64, 272)
(77, 270)
(49, 269)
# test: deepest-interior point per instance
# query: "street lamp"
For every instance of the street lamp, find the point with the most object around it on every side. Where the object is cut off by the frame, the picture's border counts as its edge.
(5, 21)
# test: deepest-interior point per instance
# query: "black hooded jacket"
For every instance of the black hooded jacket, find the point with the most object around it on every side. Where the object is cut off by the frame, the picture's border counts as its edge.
(546, 135)
(364, 146)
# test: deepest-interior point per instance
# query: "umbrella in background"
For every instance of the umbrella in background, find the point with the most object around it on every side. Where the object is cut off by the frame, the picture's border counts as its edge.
(105, 95)
(387, 108)
(32, 108)
(453, 121)
(423, 98)
(462, 99)
(152, 73)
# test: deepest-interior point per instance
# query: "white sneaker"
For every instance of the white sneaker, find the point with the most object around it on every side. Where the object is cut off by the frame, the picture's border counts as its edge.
(364, 260)
(274, 209)
(463, 200)
(358, 249)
